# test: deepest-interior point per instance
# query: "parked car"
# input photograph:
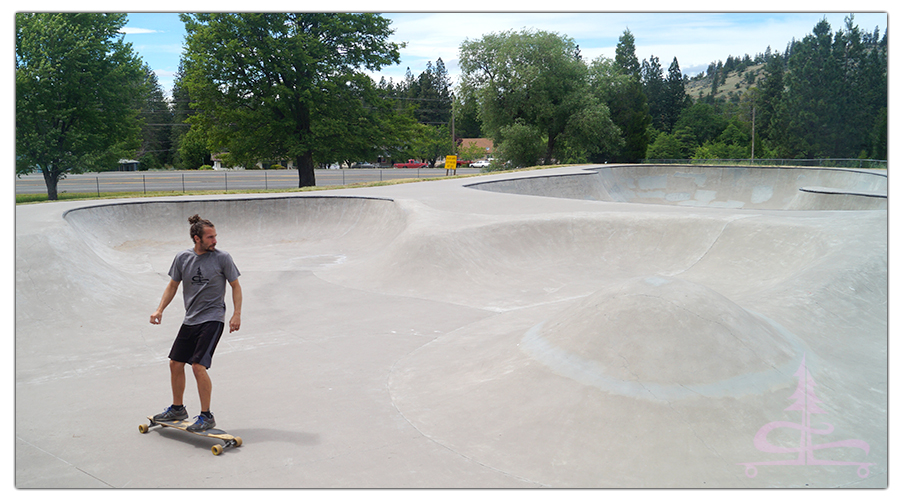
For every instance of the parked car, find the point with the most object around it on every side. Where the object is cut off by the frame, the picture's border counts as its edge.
(362, 164)
(411, 164)
(481, 164)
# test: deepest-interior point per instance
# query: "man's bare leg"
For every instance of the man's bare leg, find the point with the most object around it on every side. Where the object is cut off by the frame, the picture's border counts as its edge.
(176, 370)
(204, 385)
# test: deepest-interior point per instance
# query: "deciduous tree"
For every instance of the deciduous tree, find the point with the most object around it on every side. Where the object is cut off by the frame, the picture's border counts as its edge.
(79, 91)
(288, 85)
(533, 97)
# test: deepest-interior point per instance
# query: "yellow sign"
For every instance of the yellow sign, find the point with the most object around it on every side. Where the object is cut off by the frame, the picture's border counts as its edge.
(450, 163)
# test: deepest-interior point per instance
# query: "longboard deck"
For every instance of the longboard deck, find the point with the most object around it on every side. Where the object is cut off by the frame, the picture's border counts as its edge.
(230, 441)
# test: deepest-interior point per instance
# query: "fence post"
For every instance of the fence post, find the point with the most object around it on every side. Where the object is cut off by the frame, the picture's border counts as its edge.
(98, 186)
(144, 182)
(182, 184)
(226, 182)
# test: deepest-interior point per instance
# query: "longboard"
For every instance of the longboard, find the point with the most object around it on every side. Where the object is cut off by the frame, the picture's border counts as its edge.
(230, 441)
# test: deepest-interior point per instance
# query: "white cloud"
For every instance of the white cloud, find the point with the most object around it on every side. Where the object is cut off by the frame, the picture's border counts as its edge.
(137, 31)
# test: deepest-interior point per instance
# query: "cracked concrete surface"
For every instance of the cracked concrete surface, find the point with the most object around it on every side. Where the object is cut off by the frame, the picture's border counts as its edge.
(582, 327)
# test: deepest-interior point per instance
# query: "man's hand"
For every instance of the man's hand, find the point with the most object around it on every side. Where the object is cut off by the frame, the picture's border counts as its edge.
(238, 296)
(168, 295)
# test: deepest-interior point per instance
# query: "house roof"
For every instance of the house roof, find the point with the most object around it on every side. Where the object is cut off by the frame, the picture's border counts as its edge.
(483, 142)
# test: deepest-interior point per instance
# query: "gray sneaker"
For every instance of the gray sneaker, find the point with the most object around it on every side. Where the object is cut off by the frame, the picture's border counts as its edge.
(170, 414)
(202, 423)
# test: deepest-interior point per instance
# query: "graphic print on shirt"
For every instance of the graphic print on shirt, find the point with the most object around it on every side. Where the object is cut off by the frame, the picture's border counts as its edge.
(198, 278)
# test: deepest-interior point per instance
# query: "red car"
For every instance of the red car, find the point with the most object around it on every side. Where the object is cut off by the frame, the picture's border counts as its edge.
(410, 164)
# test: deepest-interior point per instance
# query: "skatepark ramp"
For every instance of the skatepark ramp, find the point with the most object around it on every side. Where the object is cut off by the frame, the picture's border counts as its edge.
(625, 327)
(326, 227)
(778, 188)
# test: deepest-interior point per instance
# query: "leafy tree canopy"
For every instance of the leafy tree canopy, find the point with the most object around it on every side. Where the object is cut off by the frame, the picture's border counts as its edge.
(533, 98)
(289, 85)
(79, 91)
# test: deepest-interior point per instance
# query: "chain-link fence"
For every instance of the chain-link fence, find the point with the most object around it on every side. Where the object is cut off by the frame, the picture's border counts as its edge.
(793, 162)
(219, 180)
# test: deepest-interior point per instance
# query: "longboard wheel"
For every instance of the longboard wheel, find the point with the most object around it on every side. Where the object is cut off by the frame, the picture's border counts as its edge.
(237, 441)
(143, 428)
(217, 449)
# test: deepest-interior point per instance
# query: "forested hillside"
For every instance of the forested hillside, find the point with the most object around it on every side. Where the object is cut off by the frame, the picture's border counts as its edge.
(824, 97)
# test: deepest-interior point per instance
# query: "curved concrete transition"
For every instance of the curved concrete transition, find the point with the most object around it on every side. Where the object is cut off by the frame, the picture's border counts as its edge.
(781, 188)
(625, 326)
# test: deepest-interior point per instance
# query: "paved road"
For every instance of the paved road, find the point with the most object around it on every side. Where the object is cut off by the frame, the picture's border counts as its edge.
(218, 180)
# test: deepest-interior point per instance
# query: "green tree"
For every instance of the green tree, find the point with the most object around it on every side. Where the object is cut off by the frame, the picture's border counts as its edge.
(430, 94)
(654, 88)
(666, 147)
(288, 85)
(626, 56)
(835, 85)
(191, 150)
(522, 144)
(427, 99)
(809, 112)
(533, 97)
(79, 92)
(605, 79)
(431, 143)
(703, 121)
(767, 97)
(879, 136)
(471, 152)
(732, 143)
(156, 143)
(628, 104)
(675, 98)
(468, 125)
(862, 92)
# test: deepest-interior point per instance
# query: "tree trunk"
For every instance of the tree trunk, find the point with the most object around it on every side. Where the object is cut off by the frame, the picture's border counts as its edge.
(306, 170)
(51, 179)
(551, 144)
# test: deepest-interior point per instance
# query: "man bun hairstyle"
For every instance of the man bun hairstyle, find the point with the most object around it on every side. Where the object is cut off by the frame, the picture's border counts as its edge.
(198, 225)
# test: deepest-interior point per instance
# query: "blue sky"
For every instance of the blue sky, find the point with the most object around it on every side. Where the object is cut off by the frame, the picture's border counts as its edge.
(695, 38)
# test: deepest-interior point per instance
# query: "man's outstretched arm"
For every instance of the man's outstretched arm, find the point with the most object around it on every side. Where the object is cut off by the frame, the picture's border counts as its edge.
(168, 295)
(238, 296)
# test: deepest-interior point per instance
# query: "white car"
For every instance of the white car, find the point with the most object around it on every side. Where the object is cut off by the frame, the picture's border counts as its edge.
(481, 164)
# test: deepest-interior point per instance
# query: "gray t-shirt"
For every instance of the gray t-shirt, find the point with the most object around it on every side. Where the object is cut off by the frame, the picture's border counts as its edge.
(204, 278)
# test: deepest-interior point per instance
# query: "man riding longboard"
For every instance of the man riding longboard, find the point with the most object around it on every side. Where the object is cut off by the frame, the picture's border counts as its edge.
(204, 270)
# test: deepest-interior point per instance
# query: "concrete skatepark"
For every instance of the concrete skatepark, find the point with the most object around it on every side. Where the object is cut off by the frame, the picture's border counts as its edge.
(580, 327)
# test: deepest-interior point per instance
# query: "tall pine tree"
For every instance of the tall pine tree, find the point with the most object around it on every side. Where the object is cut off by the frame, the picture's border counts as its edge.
(654, 88)
(628, 107)
(675, 97)
(156, 144)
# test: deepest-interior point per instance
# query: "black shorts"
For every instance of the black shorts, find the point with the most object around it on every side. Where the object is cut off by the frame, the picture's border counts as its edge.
(197, 343)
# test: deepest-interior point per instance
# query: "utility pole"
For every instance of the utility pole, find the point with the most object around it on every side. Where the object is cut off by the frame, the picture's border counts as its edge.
(752, 133)
(453, 122)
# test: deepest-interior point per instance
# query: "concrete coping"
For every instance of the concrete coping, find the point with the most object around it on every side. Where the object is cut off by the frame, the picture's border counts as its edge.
(828, 190)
